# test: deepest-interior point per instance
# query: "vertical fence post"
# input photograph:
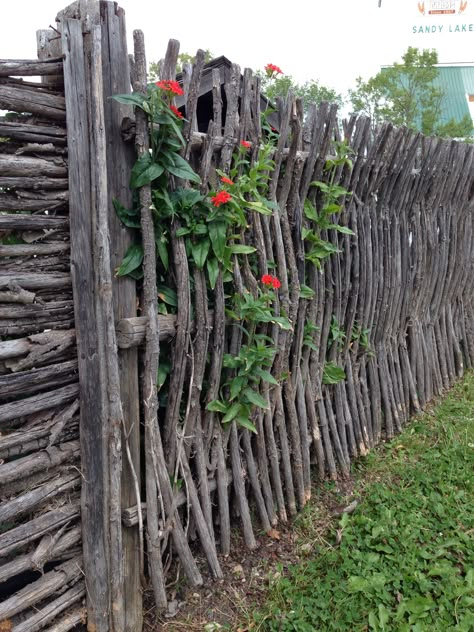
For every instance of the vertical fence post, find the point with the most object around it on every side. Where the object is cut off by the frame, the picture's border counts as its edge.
(120, 159)
(93, 445)
(95, 68)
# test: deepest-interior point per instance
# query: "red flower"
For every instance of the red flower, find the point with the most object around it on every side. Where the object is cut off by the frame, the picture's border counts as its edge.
(221, 198)
(271, 70)
(271, 281)
(245, 143)
(226, 180)
(175, 111)
(170, 86)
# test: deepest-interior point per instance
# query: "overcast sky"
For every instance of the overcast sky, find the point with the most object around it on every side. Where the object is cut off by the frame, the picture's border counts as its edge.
(331, 40)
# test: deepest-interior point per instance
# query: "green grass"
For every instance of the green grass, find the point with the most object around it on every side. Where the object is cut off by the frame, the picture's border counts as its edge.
(405, 561)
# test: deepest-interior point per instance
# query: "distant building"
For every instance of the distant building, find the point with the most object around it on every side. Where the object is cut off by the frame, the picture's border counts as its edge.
(457, 84)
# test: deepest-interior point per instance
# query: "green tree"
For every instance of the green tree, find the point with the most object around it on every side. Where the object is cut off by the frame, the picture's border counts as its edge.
(183, 58)
(310, 91)
(406, 94)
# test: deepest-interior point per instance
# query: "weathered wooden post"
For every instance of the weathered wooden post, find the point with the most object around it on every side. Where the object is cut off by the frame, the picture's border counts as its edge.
(95, 68)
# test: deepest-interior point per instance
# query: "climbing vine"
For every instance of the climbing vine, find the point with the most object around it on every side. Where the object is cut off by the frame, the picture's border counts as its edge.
(212, 226)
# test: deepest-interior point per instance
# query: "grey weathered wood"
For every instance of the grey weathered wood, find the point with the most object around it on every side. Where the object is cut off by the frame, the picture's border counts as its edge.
(47, 585)
(41, 310)
(49, 612)
(22, 99)
(35, 184)
(37, 349)
(38, 249)
(113, 419)
(32, 222)
(17, 295)
(131, 331)
(95, 491)
(60, 545)
(13, 165)
(130, 515)
(30, 500)
(152, 349)
(27, 441)
(23, 535)
(10, 67)
(33, 281)
(40, 461)
(42, 401)
(121, 157)
(33, 133)
(74, 618)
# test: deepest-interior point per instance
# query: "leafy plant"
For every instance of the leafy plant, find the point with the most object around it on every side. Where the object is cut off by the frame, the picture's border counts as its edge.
(318, 249)
(213, 229)
(333, 374)
(405, 560)
(336, 334)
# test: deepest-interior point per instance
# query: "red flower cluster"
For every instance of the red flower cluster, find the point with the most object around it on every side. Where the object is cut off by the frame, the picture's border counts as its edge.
(271, 70)
(271, 281)
(226, 180)
(245, 143)
(221, 198)
(170, 86)
(175, 111)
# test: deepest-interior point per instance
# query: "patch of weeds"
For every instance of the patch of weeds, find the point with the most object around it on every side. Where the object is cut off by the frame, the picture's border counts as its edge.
(405, 561)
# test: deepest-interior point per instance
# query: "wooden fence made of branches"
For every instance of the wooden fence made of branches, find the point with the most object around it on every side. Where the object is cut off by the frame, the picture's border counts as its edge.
(121, 454)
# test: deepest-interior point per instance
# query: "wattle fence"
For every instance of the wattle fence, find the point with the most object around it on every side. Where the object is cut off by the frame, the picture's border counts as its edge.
(116, 462)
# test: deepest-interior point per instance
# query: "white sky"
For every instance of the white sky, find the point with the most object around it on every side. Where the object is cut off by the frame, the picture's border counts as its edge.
(331, 40)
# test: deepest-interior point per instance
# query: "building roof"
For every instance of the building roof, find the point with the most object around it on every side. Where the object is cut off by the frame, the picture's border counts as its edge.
(204, 106)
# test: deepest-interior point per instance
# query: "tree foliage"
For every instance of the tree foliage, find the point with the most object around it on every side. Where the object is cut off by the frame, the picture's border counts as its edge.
(310, 91)
(407, 94)
(183, 58)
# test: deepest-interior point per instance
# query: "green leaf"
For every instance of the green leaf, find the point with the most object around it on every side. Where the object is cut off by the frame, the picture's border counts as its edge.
(200, 251)
(218, 235)
(164, 369)
(255, 398)
(373, 621)
(310, 211)
(212, 271)
(332, 374)
(161, 246)
(200, 229)
(236, 385)
(181, 232)
(144, 171)
(384, 616)
(266, 376)
(419, 605)
(231, 413)
(216, 406)
(167, 295)
(306, 292)
(330, 209)
(341, 229)
(181, 169)
(259, 207)
(136, 98)
(240, 249)
(282, 322)
(128, 217)
(132, 260)
(246, 423)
